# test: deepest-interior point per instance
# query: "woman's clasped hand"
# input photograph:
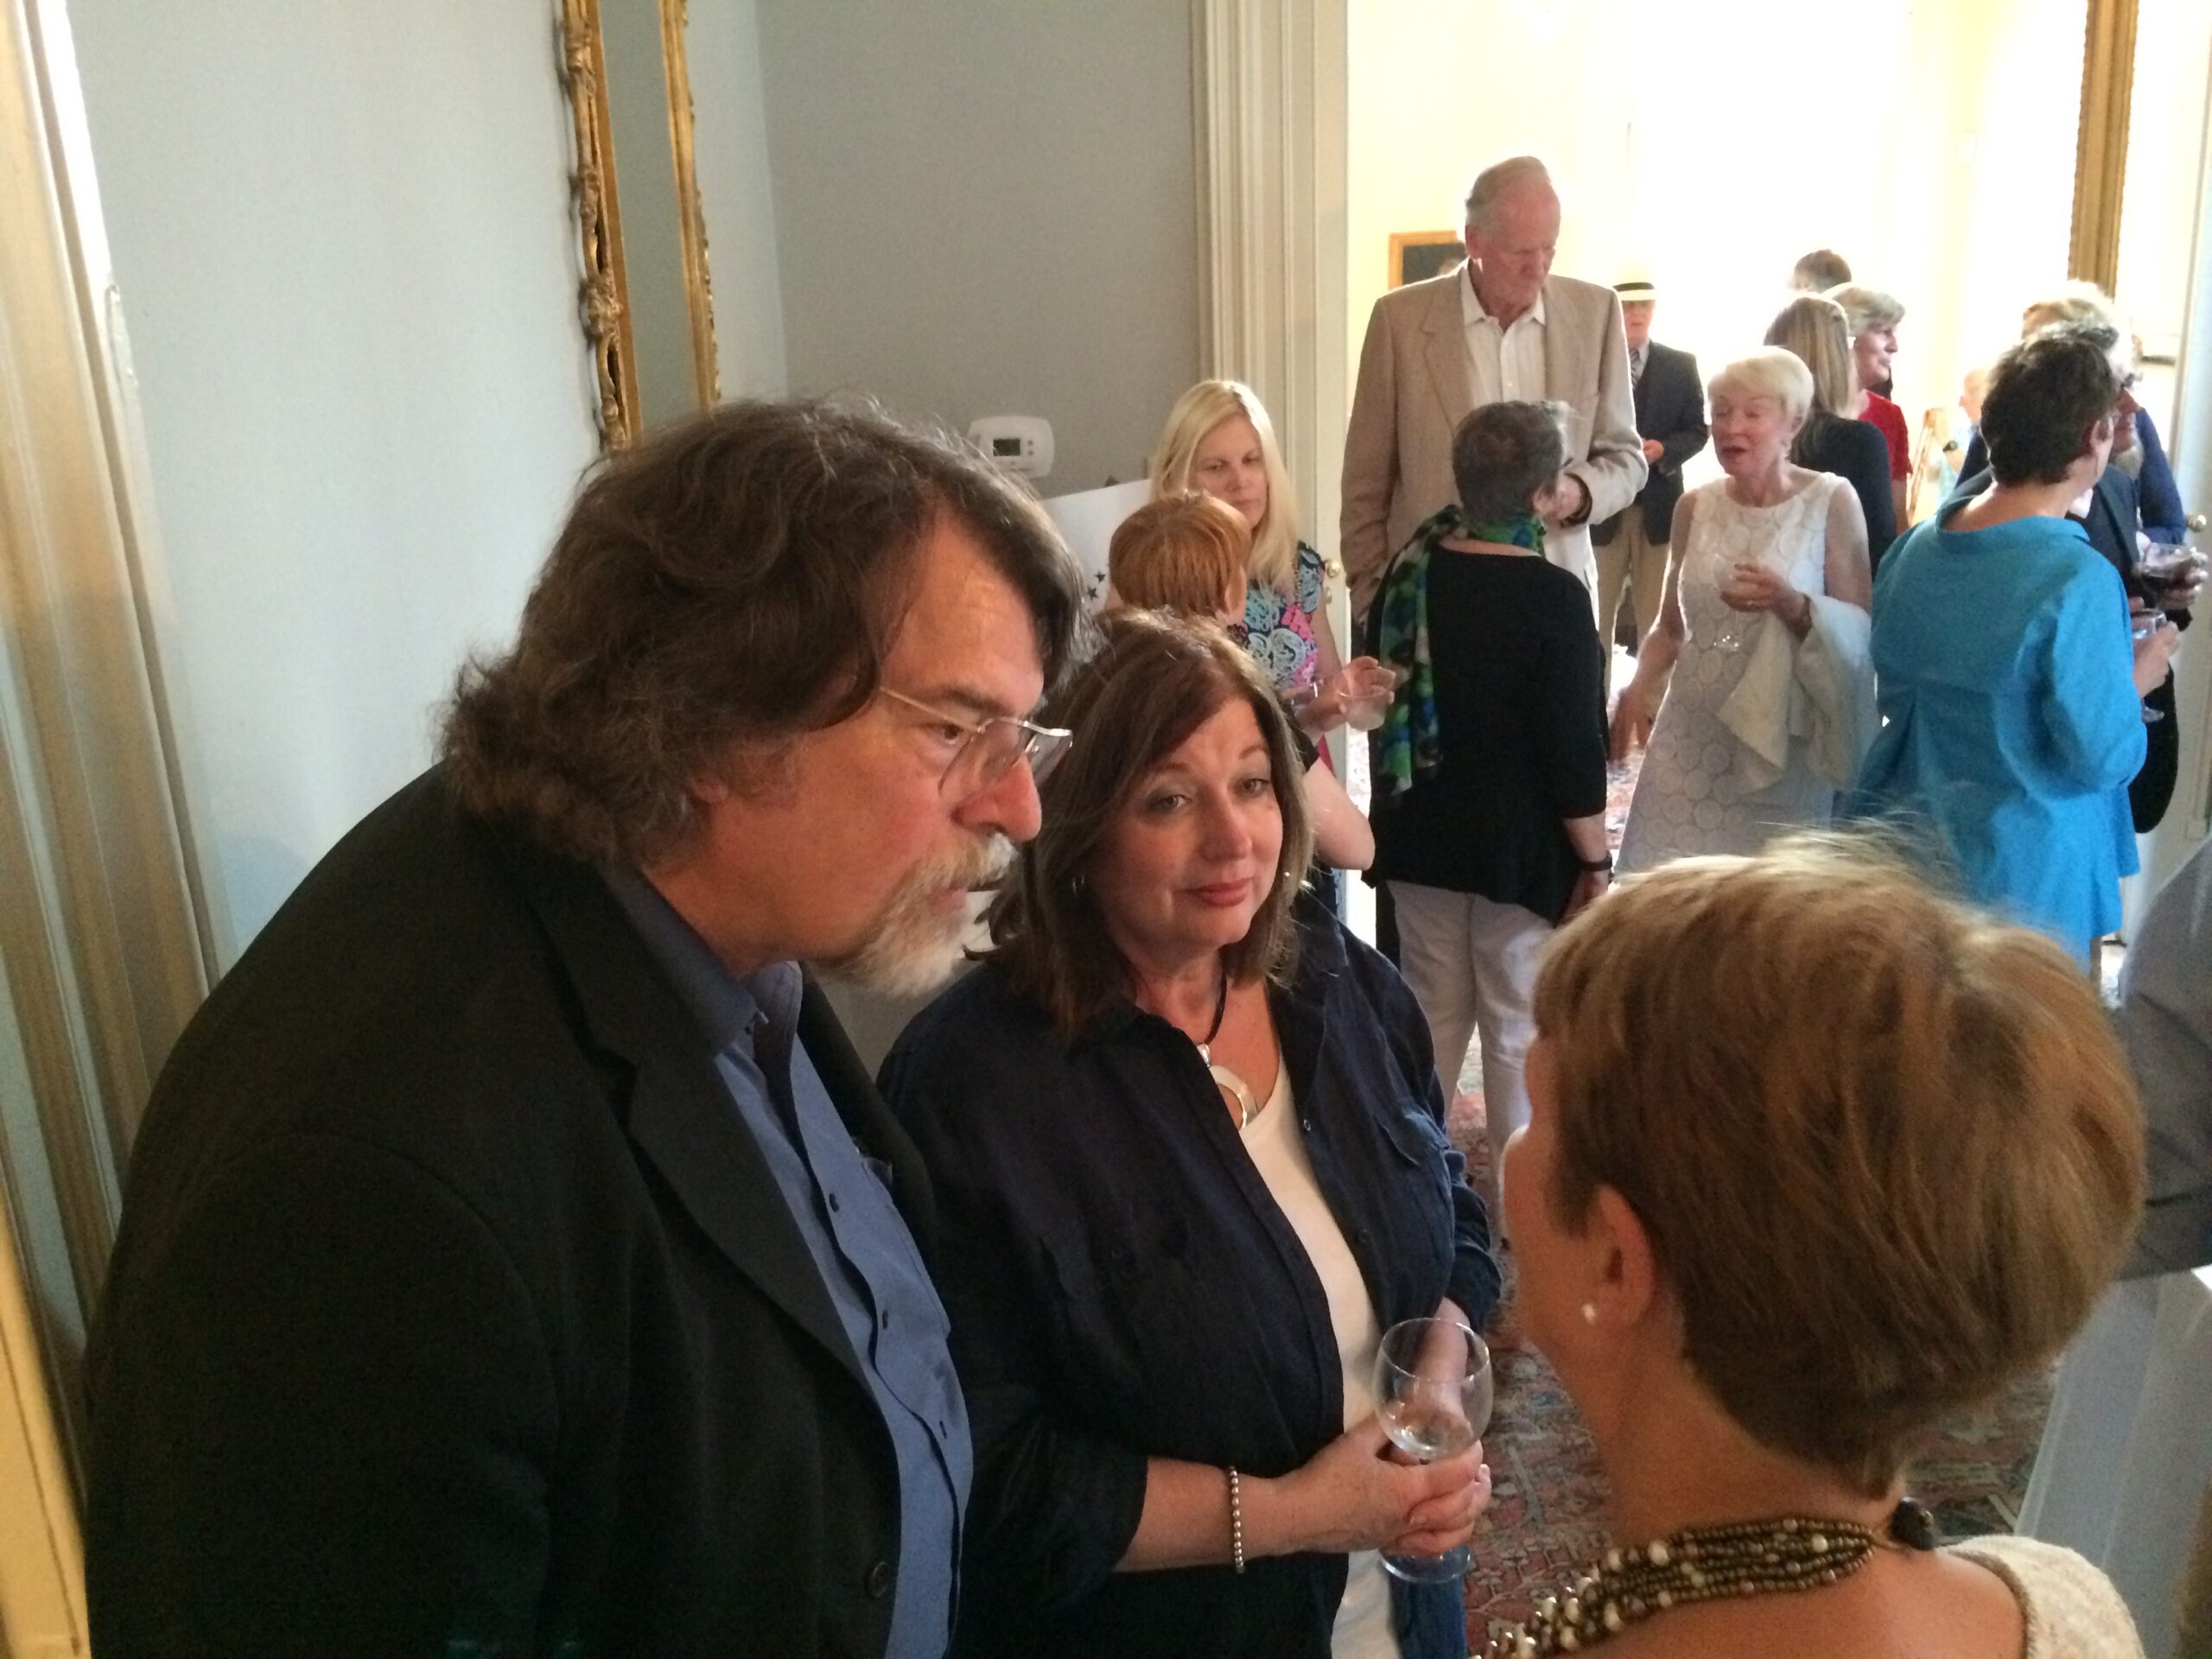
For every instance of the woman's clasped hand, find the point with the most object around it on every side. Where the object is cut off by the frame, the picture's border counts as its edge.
(1360, 1492)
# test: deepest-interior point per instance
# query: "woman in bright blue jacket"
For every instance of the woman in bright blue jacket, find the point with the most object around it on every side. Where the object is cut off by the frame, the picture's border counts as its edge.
(2009, 688)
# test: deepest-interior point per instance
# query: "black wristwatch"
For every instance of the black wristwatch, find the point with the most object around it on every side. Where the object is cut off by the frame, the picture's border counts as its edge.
(1603, 865)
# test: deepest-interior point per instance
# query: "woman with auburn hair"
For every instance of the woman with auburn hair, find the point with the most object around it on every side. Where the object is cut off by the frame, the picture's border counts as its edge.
(1218, 439)
(1836, 436)
(1816, 1157)
(1189, 1150)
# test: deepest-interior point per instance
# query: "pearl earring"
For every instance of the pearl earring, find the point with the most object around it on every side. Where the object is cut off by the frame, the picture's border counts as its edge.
(1589, 1313)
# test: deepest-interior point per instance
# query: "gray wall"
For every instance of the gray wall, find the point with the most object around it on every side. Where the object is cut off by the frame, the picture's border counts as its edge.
(989, 207)
(349, 263)
(730, 151)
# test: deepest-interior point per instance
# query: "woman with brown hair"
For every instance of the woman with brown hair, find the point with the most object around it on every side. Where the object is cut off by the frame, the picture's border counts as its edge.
(1816, 1158)
(1189, 1148)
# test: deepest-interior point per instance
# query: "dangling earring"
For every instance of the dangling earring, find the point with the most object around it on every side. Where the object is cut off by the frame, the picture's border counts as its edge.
(1589, 1313)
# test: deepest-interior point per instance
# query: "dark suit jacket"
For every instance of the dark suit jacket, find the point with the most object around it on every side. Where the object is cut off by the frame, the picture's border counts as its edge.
(455, 1311)
(1670, 407)
(2111, 523)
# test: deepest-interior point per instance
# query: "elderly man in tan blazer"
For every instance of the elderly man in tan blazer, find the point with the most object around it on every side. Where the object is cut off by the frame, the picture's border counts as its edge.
(1498, 327)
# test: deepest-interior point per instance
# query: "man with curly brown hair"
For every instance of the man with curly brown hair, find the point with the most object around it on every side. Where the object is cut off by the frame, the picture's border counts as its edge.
(516, 1258)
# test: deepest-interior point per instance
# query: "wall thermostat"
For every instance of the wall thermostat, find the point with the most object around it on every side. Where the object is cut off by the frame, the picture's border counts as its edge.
(1020, 444)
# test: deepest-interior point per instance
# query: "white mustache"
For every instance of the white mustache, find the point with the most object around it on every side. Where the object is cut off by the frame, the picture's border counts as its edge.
(984, 865)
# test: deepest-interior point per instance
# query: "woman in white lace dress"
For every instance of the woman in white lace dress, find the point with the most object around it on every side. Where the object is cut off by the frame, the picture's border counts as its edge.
(1762, 628)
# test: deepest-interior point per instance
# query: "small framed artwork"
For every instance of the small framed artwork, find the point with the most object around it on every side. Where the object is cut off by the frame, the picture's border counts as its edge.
(1416, 256)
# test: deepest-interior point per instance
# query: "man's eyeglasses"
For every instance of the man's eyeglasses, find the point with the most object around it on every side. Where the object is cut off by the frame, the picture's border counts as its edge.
(991, 749)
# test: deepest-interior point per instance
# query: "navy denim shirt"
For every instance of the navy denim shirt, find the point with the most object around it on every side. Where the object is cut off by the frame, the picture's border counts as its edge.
(1122, 1285)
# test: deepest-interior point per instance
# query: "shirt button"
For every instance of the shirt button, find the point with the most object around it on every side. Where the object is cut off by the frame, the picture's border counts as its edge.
(878, 1582)
(832, 1203)
(1307, 1124)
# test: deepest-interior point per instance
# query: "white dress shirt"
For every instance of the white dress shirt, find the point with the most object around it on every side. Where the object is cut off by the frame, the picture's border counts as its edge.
(1504, 364)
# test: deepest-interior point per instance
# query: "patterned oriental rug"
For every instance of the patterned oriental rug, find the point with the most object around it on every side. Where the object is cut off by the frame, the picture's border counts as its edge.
(1547, 1517)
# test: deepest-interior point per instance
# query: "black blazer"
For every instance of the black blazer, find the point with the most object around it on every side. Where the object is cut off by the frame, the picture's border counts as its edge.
(2111, 522)
(1670, 407)
(455, 1311)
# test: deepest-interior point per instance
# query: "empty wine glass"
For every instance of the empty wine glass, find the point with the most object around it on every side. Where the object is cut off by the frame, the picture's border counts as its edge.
(2141, 625)
(1433, 1392)
(1734, 632)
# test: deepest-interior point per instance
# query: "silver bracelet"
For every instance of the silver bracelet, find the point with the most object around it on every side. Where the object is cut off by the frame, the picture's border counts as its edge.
(1235, 1520)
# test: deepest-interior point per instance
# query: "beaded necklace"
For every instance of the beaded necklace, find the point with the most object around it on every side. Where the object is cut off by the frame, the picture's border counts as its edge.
(1749, 1558)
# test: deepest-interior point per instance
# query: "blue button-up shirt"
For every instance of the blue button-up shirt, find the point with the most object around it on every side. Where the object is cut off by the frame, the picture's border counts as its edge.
(859, 1243)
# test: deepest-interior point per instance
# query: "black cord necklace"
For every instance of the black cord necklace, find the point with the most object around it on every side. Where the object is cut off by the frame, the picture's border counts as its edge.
(1247, 1104)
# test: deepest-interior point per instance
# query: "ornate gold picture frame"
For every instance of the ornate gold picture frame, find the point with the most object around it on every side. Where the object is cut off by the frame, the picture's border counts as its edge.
(608, 298)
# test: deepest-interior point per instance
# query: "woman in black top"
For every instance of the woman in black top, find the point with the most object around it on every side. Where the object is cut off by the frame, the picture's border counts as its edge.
(1815, 331)
(1189, 1157)
(1490, 769)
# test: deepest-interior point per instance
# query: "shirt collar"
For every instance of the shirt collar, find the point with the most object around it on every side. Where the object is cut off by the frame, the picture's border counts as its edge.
(725, 1006)
(1470, 304)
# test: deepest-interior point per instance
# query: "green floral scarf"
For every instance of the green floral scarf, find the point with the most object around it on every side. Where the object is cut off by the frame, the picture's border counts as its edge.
(1406, 748)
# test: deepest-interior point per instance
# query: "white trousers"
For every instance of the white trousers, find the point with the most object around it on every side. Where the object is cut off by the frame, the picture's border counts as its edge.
(1472, 964)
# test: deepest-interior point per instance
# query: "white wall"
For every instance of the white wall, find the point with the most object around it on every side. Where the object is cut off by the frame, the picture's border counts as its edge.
(349, 261)
(1712, 142)
(985, 207)
(730, 153)
(2165, 128)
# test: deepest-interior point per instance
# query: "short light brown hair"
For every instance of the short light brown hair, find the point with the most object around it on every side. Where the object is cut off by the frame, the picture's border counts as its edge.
(1181, 552)
(1156, 679)
(2072, 301)
(732, 582)
(1820, 270)
(1868, 308)
(1886, 1148)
